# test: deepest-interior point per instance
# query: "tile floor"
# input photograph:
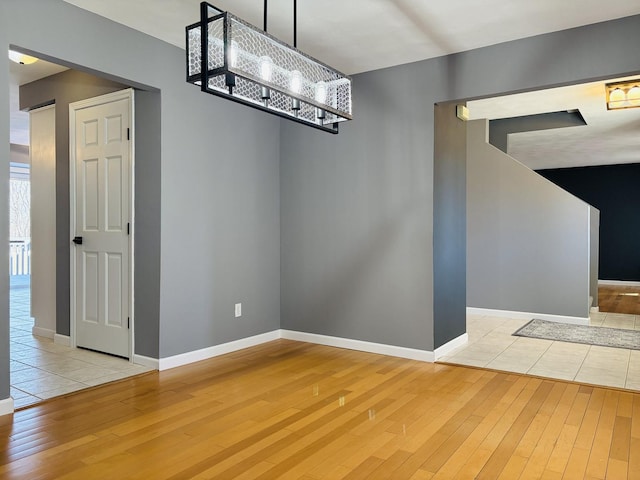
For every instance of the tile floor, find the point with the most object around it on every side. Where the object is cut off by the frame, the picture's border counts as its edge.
(41, 369)
(492, 345)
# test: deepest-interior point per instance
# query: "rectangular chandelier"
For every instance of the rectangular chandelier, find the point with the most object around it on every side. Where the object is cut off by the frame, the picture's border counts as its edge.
(247, 65)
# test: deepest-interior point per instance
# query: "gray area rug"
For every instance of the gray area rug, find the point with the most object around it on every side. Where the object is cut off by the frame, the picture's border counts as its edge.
(603, 336)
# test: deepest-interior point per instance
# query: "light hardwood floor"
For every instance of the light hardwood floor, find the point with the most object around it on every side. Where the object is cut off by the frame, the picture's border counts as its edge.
(619, 299)
(300, 411)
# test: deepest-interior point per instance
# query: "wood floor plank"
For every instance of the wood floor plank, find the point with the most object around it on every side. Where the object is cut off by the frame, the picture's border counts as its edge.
(291, 410)
(599, 458)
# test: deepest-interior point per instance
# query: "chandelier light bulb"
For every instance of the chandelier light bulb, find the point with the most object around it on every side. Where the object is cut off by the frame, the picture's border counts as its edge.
(617, 95)
(633, 96)
(296, 82)
(266, 68)
(321, 92)
(233, 54)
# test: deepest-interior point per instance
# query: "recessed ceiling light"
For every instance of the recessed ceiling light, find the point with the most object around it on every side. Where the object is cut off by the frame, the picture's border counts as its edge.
(623, 95)
(21, 58)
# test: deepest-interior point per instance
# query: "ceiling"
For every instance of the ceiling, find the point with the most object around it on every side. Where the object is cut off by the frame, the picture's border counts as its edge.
(361, 35)
(347, 35)
(20, 75)
(610, 136)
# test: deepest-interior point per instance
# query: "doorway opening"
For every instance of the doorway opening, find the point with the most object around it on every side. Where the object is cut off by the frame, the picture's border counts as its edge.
(491, 320)
(43, 363)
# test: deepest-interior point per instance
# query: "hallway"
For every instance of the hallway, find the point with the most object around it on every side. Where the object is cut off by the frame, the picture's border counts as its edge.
(41, 369)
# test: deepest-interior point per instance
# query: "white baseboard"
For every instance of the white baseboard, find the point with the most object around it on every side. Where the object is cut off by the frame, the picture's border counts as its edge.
(527, 315)
(42, 332)
(210, 352)
(146, 361)
(622, 283)
(348, 343)
(594, 309)
(6, 406)
(64, 340)
(450, 346)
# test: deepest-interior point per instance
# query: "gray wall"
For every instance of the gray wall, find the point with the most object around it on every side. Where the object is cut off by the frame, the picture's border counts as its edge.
(63, 89)
(357, 211)
(148, 200)
(594, 249)
(4, 214)
(527, 239)
(357, 215)
(501, 128)
(216, 240)
(449, 224)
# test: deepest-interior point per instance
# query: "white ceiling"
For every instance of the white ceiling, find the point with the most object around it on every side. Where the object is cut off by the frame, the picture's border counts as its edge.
(361, 35)
(610, 136)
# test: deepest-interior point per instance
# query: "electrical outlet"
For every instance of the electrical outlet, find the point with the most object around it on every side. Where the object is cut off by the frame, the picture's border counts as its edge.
(238, 310)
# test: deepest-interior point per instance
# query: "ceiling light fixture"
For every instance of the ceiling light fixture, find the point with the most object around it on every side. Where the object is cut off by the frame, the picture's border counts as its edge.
(21, 58)
(247, 65)
(623, 95)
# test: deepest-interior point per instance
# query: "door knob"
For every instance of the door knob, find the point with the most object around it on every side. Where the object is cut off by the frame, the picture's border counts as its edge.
(77, 240)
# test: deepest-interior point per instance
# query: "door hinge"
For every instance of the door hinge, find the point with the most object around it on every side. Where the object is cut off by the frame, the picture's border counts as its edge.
(128, 134)
(128, 322)
(128, 228)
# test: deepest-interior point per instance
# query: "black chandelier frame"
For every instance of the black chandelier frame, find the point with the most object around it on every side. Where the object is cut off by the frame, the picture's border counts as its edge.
(232, 75)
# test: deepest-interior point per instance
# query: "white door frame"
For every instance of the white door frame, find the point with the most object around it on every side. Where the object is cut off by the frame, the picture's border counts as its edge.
(73, 107)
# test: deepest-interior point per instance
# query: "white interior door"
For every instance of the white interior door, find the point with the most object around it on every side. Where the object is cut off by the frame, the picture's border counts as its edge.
(102, 215)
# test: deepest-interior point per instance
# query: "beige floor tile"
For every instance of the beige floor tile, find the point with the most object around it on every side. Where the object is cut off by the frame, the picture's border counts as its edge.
(633, 384)
(46, 383)
(87, 374)
(607, 357)
(514, 363)
(56, 392)
(566, 348)
(624, 322)
(525, 344)
(601, 376)
(116, 376)
(26, 401)
(27, 375)
(65, 364)
(470, 361)
(549, 371)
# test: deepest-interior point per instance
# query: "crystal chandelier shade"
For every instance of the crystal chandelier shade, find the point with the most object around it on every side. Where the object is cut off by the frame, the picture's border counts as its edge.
(250, 66)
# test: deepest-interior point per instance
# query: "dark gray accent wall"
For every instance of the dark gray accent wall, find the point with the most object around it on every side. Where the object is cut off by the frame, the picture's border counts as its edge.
(63, 89)
(357, 211)
(501, 128)
(449, 224)
(527, 240)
